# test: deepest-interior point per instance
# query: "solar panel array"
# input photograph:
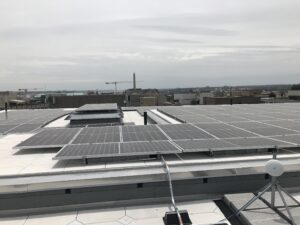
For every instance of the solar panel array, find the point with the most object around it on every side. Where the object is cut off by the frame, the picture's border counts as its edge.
(220, 128)
(98, 107)
(22, 121)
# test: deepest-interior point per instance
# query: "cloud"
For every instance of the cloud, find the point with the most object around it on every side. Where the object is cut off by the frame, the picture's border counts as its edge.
(188, 30)
(171, 43)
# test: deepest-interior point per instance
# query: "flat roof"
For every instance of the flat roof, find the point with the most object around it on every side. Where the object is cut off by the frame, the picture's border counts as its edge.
(201, 212)
(34, 170)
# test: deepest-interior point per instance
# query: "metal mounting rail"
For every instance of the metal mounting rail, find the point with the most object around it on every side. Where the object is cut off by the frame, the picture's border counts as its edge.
(171, 190)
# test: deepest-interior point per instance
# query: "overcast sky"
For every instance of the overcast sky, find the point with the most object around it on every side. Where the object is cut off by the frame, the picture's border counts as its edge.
(81, 44)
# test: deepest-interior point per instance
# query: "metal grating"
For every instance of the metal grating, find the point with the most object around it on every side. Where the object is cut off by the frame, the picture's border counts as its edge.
(49, 138)
(142, 133)
(184, 131)
(88, 151)
(98, 135)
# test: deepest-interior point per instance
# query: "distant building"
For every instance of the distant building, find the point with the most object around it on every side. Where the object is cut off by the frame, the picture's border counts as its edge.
(185, 98)
(144, 97)
(148, 101)
(7, 96)
(294, 94)
(245, 92)
(63, 101)
(203, 95)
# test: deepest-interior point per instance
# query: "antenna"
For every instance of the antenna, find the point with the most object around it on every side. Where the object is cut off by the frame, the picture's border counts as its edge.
(275, 169)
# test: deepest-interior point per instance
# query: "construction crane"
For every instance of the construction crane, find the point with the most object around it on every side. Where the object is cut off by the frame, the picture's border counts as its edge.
(119, 82)
(116, 84)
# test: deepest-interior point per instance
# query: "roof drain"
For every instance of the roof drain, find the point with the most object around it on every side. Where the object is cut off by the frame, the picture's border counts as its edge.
(175, 217)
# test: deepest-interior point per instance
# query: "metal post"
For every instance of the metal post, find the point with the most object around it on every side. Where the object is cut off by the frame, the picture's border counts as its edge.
(288, 194)
(274, 180)
(286, 206)
(254, 199)
(6, 107)
(134, 82)
(171, 191)
(273, 192)
(145, 118)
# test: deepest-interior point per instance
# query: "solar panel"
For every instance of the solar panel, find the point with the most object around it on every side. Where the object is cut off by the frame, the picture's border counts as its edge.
(257, 117)
(295, 125)
(25, 128)
(228, 118)
(291, 138)
(6, 127)
(224, 130)
(98, 135)
(204, 145)
(258, 143)
(49, 138)
(142, 133)
(98, 107)
(36, 116)
(271, 131)
(142, 148)
(95, 116)
(88, 151)
(184, 131)
(249, 125)
(195, 119)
